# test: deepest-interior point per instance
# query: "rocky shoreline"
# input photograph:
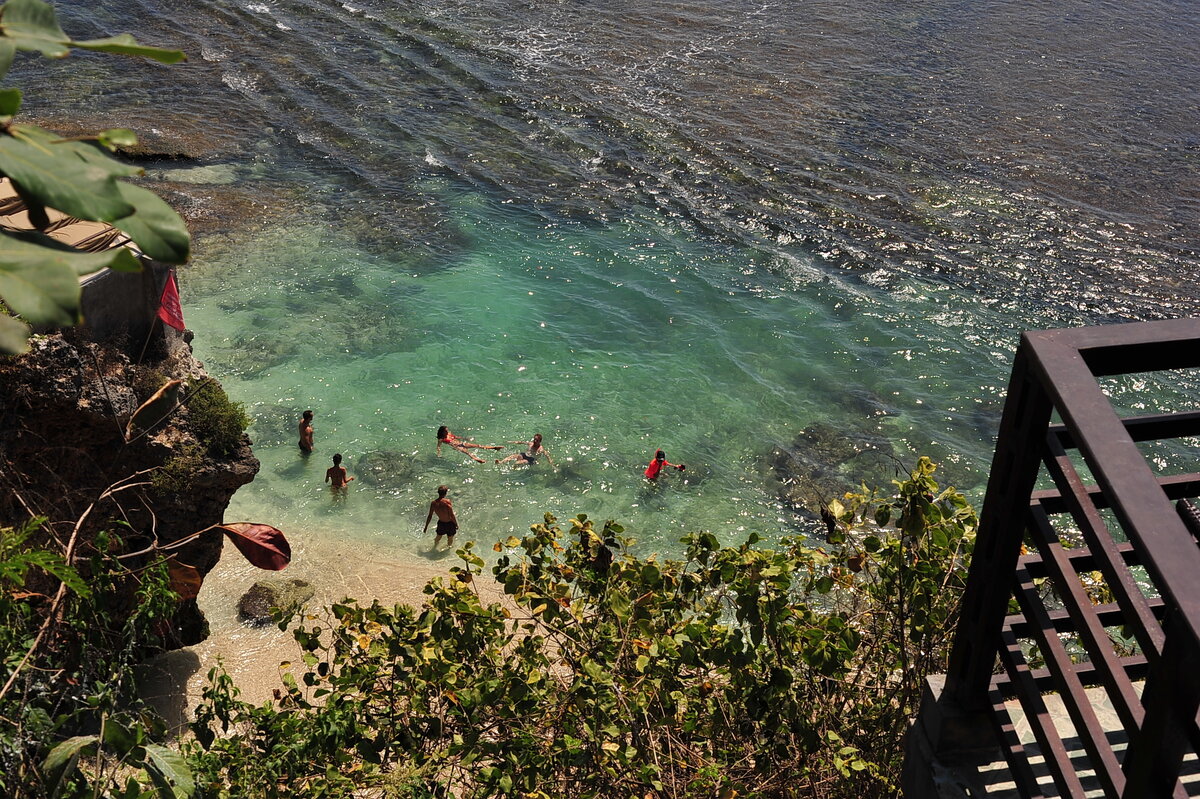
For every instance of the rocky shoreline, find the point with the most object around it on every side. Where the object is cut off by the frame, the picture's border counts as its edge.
(65, 407)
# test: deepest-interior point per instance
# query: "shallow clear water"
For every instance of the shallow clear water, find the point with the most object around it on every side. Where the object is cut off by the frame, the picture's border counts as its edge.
(691, 225)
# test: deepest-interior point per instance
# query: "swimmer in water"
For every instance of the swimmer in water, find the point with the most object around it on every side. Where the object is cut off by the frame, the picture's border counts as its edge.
(447, 524)
(336, 475)
(656, 465)
(444, 436)
(531, 455)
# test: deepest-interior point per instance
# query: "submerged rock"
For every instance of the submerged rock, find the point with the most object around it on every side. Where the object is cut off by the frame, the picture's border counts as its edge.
(824, 462)
(384, 468)
(289, 595)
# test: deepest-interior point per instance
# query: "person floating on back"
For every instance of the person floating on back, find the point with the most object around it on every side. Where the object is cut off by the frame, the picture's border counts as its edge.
(444, 436)
(336, 475)
(306, 432)
(656, 465)
(447, 522)
(531, 455)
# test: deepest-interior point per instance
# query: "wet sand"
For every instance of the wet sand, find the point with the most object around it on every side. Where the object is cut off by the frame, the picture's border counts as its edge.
(173, 682)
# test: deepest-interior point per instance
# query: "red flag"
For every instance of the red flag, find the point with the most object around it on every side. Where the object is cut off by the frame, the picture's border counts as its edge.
(169, 309)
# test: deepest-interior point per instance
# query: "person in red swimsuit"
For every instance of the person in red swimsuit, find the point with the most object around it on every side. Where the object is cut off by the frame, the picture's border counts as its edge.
(444, 436)
(656, 465)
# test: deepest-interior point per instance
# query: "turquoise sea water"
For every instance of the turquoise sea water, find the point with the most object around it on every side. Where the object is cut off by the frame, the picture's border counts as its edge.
(691, 225)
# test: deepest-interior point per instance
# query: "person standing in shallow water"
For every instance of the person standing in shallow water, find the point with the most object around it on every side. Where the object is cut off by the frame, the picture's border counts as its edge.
(447, 522)
(657, 464)
(306, 432)
(337, 478)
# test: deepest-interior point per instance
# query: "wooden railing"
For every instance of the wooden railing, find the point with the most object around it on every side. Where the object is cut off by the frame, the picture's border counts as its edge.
(1091, 588)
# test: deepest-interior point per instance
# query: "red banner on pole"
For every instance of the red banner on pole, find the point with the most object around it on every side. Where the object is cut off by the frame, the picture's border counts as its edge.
(169, 309)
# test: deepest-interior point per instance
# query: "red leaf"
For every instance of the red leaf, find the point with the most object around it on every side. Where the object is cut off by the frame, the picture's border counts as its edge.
(261, 544)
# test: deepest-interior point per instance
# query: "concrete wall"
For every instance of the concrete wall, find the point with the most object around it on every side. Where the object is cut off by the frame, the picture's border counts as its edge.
(123, 303)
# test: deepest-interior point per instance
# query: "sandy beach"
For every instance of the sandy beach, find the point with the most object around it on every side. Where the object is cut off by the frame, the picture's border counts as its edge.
(174, 681)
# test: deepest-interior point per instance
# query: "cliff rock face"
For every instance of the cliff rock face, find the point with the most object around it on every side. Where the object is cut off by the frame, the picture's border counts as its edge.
(64, 407)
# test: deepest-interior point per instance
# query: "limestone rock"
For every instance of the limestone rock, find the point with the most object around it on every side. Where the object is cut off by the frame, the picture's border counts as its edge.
(287, 594)
(65, 405)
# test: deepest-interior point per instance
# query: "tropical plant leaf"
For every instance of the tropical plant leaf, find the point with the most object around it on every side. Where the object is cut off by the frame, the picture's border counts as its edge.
(169, 772)
(87, 150)
(41, 283)
(52, 563)
(113, 138)
(154, 225)
(31, 25)
(261, 544)
(38, 283)
(10, 101)
(124, 44)
(62, 758)
(14, 336)
(7, 53)
(72, 185)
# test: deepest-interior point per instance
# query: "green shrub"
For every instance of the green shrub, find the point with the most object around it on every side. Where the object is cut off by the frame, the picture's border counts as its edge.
(738, 671)
(71, 724)
(175, 477)
(146, 380)
(216, 420)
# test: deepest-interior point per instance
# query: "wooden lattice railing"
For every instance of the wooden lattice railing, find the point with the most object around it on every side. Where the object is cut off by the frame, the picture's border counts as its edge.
(1104, 569)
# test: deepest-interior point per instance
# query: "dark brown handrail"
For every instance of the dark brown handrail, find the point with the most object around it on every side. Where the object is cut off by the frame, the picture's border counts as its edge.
(1122, 527)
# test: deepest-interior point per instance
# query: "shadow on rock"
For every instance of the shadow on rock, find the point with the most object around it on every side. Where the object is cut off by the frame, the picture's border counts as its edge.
(162, 682)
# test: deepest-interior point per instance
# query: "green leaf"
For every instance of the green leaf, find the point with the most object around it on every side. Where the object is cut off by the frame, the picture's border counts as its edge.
(14, 336)
(124, 44)
(71, 185)
(618, 602)
(169, 771)
(10, 102)
(119, 737)
(31, 25)
(7, 53)
(85, 150)
(117, 137)
(41, 283)
(52, 563)
(62, 758)
(154, 225)
(37, 283)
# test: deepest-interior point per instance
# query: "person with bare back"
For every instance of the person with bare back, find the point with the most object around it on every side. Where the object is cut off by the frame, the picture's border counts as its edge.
(444, 436)
(529, 456)
(306, 432)
(447, 524)
(336, 476)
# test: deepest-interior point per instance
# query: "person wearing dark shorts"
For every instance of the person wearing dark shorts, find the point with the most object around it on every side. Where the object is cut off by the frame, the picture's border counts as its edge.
(447, 522)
